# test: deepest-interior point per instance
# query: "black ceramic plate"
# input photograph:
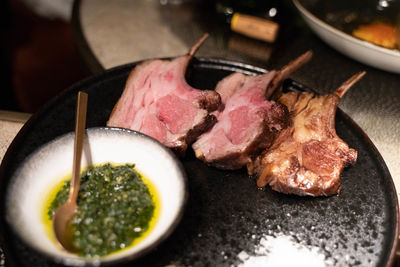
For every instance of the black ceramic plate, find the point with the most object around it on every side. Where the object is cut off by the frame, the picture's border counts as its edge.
(228, 220)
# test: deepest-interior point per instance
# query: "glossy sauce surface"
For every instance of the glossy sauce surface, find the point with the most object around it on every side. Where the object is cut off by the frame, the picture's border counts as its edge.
(117, 207)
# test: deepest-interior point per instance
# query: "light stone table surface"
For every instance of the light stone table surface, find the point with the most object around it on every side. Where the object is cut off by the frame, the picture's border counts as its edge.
(122, 31)
(10, 124)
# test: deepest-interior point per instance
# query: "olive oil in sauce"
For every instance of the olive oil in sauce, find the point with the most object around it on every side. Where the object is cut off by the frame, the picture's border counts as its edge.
(117, 208)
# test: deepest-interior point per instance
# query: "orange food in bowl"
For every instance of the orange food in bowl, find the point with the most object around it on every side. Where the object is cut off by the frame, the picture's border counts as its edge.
(378, 33)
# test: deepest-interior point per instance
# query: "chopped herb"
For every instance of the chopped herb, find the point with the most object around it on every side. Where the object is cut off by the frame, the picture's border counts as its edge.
(114, 208)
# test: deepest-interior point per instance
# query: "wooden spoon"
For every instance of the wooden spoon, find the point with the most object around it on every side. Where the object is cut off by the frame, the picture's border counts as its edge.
(64, 213)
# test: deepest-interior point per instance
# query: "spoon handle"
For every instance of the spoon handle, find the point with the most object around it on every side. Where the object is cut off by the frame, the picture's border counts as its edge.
(80, 124)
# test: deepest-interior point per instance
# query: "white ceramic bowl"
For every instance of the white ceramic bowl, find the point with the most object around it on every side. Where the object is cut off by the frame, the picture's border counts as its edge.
(363, 51)
(50, 163)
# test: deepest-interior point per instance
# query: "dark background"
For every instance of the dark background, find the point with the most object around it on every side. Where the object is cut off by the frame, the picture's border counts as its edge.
(38, 57)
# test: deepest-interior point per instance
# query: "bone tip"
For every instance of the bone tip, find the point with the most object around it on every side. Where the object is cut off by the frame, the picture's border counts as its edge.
(202, 39)
(361, 74)
(356, 77)
(308, 53)
(264, 177)
(342, 90)
(197, 45)
(302, 59)
(205, 36)
(261, 182)
(306, 56)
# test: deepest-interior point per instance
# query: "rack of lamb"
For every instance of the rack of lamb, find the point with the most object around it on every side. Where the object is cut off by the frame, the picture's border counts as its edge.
(307, 157)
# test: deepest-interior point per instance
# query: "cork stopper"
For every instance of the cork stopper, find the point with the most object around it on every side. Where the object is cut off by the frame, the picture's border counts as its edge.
(255, 27)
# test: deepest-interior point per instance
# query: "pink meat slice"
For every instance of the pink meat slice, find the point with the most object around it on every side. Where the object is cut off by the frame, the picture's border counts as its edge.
(157, 101)
(247, 122)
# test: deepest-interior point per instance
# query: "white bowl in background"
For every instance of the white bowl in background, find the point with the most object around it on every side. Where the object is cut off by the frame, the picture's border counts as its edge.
(362, 51)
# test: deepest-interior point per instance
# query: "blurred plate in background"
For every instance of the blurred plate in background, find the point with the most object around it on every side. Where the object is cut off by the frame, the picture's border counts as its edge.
(337, 32)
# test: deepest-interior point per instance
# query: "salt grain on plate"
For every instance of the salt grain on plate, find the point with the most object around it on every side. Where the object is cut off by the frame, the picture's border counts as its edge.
(281, 251)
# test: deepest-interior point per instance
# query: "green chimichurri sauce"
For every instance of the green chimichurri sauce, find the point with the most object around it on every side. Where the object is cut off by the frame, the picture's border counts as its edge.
(115, 207)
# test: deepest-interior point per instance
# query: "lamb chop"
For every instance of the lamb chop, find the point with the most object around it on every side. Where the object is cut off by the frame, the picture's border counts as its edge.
(157, 101)
(247, 121)
(308, 157)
